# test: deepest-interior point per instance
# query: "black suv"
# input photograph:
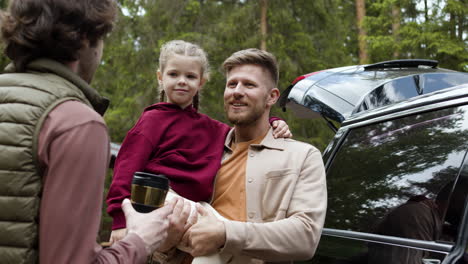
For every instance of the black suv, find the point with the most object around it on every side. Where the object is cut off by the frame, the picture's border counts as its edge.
(397, 171)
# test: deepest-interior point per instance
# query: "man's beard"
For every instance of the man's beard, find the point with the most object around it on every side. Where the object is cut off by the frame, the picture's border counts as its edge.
(251, 117)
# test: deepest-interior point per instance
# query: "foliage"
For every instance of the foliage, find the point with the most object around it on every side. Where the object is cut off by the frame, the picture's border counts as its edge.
(297, 38)
(3, 59)
(305, 36)
(436, 31)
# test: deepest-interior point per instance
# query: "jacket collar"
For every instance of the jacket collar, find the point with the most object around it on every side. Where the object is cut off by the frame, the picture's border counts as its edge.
(268, 141)
(98, 102)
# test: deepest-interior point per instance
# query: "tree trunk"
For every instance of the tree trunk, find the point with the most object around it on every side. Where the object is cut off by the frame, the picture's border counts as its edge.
(360, 14)
(396, 14)
(453, 19)
(461, 26)
(263, 23)
(426, 12)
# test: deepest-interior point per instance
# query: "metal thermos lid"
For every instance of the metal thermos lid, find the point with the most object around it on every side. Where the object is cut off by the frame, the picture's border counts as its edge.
(153, 180)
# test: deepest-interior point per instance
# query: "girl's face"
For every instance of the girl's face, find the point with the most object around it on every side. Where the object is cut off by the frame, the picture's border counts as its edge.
(181, 79)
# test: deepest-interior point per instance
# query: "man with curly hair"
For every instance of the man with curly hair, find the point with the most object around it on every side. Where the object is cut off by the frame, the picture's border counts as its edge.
(54, 146)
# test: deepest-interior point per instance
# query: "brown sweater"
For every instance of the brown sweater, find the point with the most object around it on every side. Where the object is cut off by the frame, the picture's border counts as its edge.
(74, 149)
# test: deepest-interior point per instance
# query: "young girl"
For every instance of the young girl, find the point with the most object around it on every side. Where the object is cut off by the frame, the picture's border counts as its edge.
(172, 138)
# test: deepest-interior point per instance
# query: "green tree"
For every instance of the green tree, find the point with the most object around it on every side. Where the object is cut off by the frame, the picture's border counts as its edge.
(424, 32)
(3, 59)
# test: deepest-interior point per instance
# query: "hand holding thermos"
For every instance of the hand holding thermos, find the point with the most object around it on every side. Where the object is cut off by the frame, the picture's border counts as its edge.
(148, 193)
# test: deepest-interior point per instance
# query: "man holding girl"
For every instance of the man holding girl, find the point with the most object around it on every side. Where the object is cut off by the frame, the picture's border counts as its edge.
(172, 138)
(271, 189)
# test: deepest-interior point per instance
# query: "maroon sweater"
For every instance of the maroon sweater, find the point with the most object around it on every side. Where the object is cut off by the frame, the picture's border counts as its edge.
(182, 144)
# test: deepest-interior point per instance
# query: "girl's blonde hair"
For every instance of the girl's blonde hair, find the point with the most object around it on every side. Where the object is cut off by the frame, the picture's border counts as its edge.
(184, 48)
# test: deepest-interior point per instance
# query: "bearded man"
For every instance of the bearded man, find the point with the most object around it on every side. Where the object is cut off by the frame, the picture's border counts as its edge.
(273, 190)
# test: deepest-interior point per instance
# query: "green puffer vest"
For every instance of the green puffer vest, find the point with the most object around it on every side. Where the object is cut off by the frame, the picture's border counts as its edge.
(25, 101)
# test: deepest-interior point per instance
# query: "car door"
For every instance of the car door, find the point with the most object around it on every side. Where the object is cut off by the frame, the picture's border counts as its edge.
(397, 188)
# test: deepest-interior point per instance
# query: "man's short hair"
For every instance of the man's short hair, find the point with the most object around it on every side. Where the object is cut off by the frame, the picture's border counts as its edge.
(53, 29)
(256, 57)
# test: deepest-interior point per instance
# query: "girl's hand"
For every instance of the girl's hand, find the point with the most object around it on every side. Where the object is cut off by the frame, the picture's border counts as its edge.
(281, 129)
(117, 234)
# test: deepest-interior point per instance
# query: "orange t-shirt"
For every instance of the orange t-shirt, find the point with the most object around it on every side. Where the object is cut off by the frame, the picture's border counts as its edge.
(229, 195)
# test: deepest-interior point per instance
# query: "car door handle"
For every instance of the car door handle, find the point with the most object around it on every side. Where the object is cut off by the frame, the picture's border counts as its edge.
(430, 261)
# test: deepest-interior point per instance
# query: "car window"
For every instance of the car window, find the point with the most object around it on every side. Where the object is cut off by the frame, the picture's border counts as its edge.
(384, 174)
(432, 82)
(394, 91)
(353, 84)
(407, 87)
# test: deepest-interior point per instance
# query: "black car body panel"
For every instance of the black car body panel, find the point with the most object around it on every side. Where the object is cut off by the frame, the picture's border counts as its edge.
(396, 130)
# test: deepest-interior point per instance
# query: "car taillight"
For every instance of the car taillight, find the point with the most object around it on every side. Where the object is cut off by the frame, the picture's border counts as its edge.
(302, 77)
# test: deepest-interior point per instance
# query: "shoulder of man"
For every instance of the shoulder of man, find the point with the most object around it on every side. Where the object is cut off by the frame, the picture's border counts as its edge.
(296, 145)
(70, 114)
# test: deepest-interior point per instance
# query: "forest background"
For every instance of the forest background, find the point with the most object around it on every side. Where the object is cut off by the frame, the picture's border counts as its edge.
(305, 36)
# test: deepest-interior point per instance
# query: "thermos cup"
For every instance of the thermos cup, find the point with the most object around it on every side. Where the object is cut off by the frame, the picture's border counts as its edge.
(148, 191)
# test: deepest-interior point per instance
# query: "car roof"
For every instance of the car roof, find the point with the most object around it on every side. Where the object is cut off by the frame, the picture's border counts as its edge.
(339, 92)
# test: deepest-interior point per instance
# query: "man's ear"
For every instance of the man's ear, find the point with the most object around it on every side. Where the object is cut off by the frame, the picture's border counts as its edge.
(273, 96)
(85, 42)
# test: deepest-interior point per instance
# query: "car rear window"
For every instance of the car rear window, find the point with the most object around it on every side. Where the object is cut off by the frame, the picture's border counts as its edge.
(408, 87)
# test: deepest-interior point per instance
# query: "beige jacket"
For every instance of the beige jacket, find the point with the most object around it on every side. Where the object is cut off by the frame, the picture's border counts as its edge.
(286, 202)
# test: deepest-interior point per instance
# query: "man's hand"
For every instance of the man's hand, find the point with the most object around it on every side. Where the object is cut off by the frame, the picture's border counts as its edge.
(179, 221)
(117, 234)
(281, 129)
(151, 227)
(207, 236)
